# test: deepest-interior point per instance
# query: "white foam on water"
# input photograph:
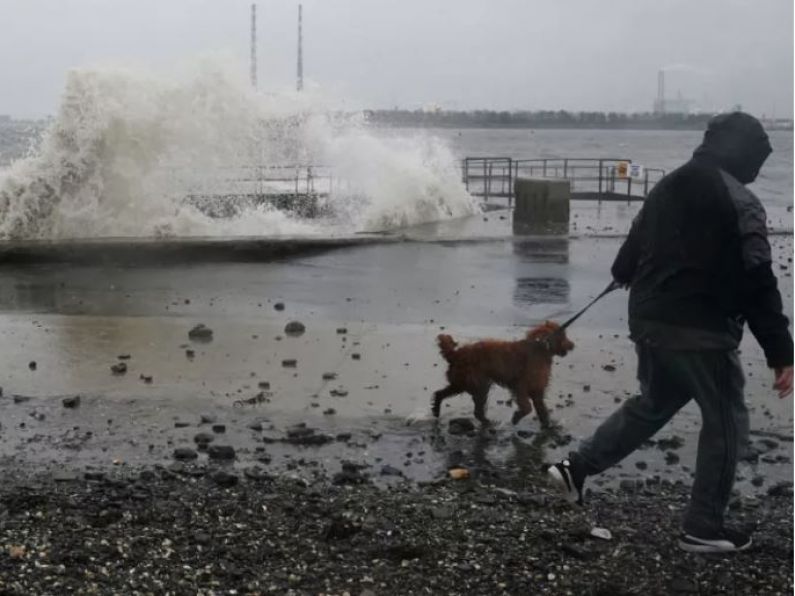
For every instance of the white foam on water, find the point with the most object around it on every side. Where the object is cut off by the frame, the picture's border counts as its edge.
(128, 147)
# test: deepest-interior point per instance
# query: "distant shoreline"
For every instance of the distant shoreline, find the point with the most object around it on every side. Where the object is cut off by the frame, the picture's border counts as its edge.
(559, 120)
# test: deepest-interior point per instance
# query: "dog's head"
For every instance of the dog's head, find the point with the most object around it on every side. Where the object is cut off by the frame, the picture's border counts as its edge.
(555, 338)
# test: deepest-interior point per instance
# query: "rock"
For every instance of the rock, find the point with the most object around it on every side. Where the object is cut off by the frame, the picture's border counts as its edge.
(578, 551)
(344, 436)
(672, 443)
(181, 424)
(256, 473)
(338, 393)
(349, 476)
(294, 328)
(628, 485)
(32, 365)
(533, 500)
(203, 439)
(219, 428)
(185, 453)
(765, 445)
(671, 458)
(341, 529)
(586, 388)
(221, 452)
(71, 402)
(264, 385)
(329, 412)
(342, 330)
(224, 479)
(255, 426)
(601, 533)
(329, 376)
(388, 470)
(609, 368)
(190, 354)
(65, 477)
(279, 306)
(200, 333)
(289, 363)
(781, 489)
(356, 356)
(300, 434)
(119, 368)
(641, 465)
(681, 585)
(461, 426)
(441, 512)
(758, 481)
(208, 418)
(146, 378)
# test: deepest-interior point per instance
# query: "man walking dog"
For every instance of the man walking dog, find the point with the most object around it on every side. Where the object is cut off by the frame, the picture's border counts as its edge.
(698, 265)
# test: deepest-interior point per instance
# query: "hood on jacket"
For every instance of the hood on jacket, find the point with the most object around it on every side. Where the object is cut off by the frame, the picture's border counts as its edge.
(735, 142)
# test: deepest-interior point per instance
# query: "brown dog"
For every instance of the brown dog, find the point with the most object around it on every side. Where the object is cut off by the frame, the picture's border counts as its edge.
(523, 367)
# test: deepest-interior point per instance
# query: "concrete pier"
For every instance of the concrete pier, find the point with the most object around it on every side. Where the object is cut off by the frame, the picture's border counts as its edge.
(542, 206)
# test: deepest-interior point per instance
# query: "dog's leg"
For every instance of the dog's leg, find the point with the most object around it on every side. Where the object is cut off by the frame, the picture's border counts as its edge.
(440, 395)
(541, 409)
(523, 407)
(480, 399)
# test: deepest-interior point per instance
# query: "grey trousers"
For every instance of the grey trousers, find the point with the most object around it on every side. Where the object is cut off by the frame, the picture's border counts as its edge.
(669, 379)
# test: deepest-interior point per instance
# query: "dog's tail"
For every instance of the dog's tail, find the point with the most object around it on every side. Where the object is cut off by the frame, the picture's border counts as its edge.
(446, 346)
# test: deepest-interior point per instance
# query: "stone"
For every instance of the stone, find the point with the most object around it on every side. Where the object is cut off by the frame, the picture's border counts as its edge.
(279, 306)
(219, 428)
(781, 489)
(294, 328)
(203, 438)
(289, 363)
(224, 479)
(221, 452)
(71, 402)
(200, 333)
(185, 454)
(388, 470)
(119, 368)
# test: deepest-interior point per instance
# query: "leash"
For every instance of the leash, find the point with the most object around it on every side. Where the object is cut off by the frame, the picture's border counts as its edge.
(613, 285)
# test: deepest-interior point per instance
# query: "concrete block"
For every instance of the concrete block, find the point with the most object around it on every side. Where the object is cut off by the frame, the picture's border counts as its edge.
(541, 206)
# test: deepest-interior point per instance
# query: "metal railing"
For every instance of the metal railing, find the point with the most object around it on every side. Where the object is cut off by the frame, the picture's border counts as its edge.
(597, 179)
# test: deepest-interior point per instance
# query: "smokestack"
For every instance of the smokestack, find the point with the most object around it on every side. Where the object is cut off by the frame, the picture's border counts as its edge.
(254, 46)
(660, 106)
(300, 84)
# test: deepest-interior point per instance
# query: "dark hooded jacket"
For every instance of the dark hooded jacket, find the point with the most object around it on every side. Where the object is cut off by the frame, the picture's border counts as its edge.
(697, 258)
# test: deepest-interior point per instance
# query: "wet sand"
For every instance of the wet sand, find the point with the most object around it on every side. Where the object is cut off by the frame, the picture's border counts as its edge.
(365, 363)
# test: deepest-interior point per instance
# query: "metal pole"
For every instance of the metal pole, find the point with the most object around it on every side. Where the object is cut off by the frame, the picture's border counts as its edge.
(254, 46)
(300, 84)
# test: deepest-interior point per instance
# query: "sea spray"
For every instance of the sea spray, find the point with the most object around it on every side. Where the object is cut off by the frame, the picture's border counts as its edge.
(127, 149)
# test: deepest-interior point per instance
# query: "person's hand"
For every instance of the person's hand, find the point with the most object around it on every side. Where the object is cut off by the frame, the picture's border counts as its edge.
(783, 382)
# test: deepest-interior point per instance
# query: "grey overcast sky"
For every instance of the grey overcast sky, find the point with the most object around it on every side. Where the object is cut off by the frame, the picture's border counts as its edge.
(458, 54)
